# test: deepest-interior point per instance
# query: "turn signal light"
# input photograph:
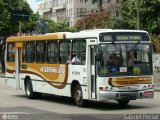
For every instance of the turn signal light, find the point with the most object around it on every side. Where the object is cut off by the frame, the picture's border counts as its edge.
(100, 88)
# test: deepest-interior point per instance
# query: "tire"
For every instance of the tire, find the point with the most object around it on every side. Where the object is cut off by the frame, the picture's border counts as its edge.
(29, 91)
(123, 102)
(78, 96)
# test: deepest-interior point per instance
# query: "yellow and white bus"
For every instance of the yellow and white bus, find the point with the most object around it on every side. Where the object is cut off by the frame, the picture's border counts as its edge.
(40, 64)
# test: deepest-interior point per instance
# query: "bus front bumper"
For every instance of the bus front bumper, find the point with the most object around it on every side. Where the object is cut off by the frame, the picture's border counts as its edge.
(127, 95)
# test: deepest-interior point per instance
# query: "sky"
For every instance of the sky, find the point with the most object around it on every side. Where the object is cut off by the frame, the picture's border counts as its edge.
(33, 5)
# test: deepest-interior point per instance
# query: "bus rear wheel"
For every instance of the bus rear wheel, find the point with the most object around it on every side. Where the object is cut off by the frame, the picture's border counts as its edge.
(78, 96)
(123, 102)
(29, 91)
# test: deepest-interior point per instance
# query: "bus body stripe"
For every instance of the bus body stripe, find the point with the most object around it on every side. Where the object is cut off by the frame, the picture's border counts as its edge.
(61, 84)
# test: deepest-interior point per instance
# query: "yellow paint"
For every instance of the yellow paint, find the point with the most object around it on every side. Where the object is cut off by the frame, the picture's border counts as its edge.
(119, 82)
(35, 68)
(10, 65)
(36, 38)
(51, 76)
(19, 45)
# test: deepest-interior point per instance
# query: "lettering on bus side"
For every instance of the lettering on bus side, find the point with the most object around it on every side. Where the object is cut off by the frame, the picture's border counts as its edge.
(52, 69)
(75, 73)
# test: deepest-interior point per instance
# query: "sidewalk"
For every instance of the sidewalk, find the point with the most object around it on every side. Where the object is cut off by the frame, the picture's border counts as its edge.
(156, 79)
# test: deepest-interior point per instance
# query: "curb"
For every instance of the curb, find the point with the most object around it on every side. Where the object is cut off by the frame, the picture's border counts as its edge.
(157, 90)
(2, 76)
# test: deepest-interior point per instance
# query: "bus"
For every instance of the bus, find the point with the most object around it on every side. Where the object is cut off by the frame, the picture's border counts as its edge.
(41, 64)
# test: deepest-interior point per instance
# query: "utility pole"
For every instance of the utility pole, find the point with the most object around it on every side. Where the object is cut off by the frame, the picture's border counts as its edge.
(138, 20)
(138, 14)
(17, 60)
(20, 22)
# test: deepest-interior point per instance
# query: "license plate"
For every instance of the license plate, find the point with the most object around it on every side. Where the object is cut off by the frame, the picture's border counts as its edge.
(148, 94)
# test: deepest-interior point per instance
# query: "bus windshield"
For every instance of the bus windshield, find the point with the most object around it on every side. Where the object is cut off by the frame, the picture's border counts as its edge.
(124, 59)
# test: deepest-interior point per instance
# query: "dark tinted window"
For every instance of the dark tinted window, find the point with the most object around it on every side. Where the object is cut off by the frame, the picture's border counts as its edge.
(52, 52)
(11, 52)
(30, 52)
(40, 51)
(64, 51)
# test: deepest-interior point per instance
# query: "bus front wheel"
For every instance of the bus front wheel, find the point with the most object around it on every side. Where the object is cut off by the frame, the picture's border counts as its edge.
(78, 96)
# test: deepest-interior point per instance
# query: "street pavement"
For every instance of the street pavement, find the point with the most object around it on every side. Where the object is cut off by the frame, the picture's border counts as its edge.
(15, 106)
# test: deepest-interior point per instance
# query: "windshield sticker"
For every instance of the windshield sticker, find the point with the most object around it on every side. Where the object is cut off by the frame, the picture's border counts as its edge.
(123, 69)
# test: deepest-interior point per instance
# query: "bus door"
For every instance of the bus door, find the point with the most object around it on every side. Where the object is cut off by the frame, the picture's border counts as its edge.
(93, 71)
(18, 61)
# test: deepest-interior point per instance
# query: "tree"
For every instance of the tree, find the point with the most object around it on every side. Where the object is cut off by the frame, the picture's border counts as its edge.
(9, 28)
(93, 20)
(148, 14)
(58, 27)
(156, 43)
(117, 23)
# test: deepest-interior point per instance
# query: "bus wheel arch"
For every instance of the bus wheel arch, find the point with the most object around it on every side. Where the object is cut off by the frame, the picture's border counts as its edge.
(76, 93)
(25, 81)
(29, 89)
(73, 87)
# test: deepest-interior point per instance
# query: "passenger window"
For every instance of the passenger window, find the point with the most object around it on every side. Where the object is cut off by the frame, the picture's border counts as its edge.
(29, 52)
(52, 52)
(64, 51)
(79, 48)
(10, 52)
(40, 51)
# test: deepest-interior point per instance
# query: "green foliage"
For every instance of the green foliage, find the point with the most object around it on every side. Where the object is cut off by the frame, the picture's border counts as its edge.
(116, 23)
(8, 27)
(151, 18)
(156, 43)
(45, 25)
(148, 11)
(58, 27)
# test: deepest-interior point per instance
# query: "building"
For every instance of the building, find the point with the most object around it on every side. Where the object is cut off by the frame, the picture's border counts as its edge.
(71, 10)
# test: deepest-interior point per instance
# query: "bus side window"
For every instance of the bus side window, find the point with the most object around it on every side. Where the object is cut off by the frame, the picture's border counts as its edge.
(64, 52)
(11, 52)
(40, 51)
(52, 52)
(29, 52)
(79, 48)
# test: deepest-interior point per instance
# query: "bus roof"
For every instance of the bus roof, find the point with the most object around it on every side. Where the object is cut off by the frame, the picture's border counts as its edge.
(36, 37)
(68, 35)
(95, 33)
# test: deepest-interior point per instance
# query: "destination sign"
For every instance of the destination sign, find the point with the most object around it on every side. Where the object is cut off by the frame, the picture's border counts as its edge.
(128, 37)
(124, 36)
